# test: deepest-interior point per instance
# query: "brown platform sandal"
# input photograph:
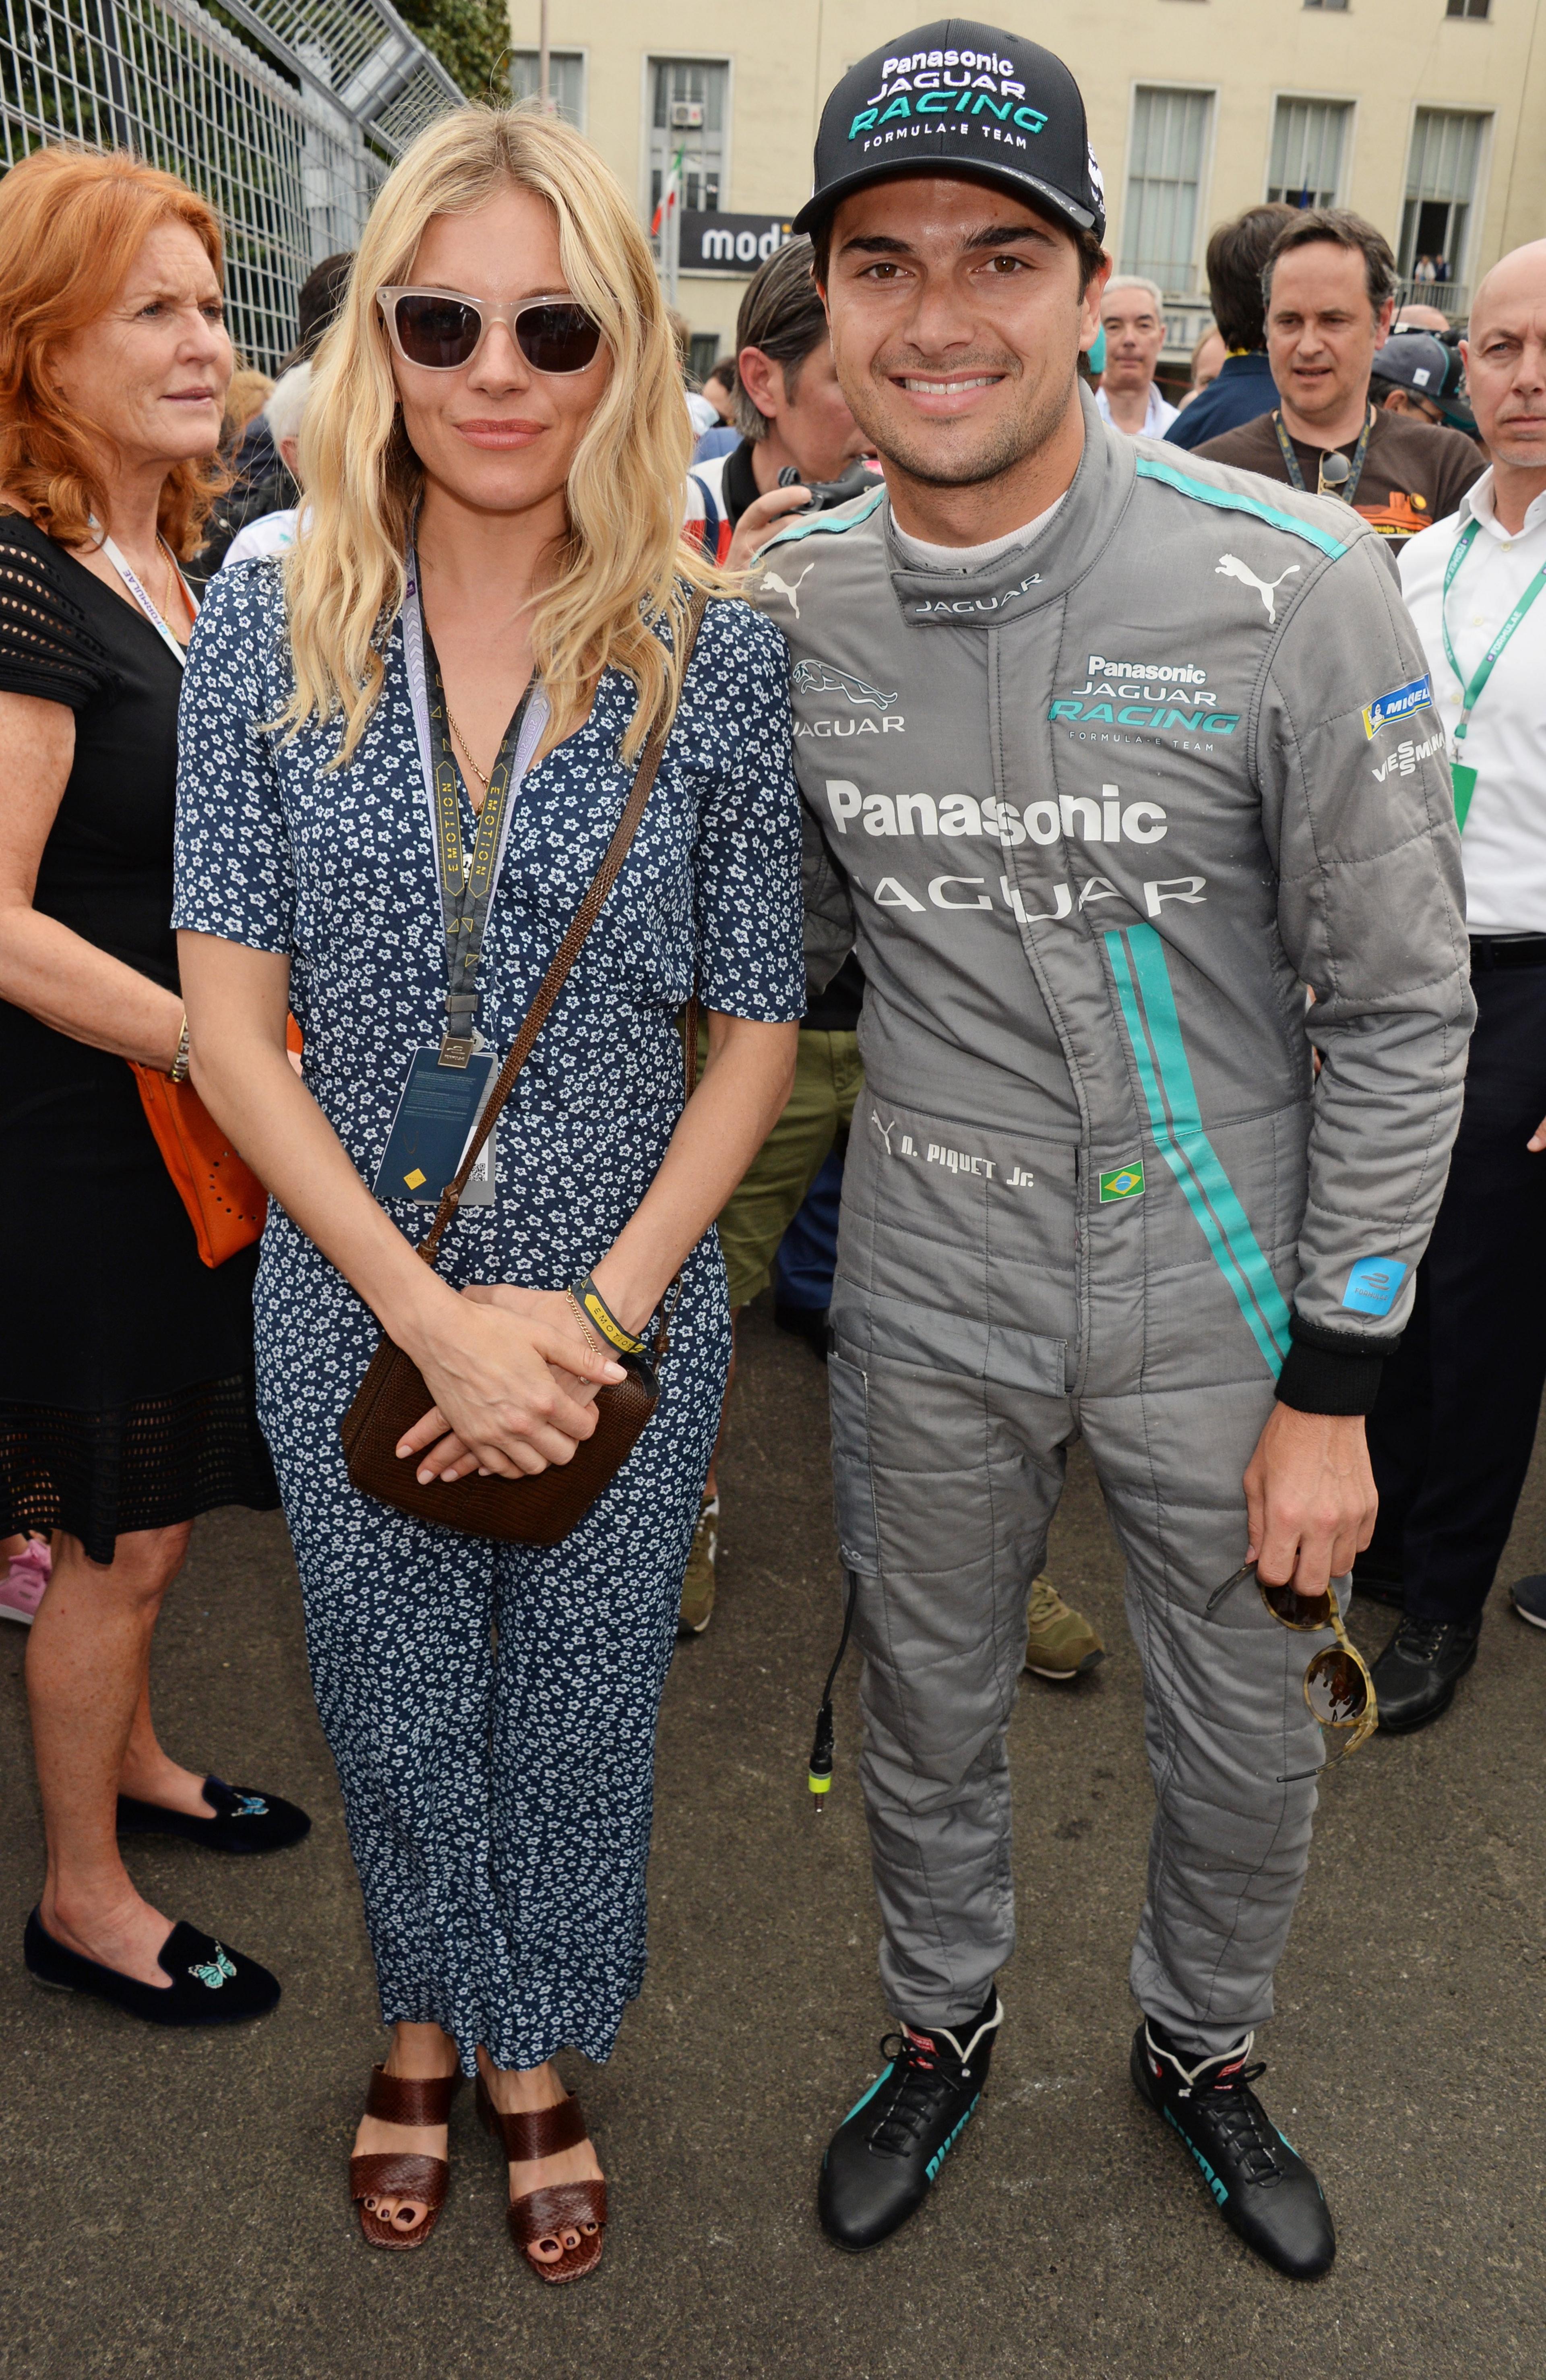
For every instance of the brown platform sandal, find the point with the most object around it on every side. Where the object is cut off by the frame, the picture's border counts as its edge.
(544, 2215)
(402, 2099)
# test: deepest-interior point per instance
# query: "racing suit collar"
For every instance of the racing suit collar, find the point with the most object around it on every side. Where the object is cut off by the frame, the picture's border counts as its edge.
(1027, 575)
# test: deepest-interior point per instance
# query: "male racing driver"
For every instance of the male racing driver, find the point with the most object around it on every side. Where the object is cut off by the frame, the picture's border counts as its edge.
(1096, 744)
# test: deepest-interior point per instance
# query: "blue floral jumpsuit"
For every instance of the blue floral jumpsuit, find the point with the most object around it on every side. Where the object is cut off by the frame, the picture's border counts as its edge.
(492, 1707)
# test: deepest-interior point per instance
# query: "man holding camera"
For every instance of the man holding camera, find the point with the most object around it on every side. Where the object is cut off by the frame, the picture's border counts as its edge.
(1104, 805)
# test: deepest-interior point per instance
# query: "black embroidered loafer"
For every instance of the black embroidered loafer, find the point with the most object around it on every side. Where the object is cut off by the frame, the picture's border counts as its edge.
(241, 1820)
(1261, 2186)
(210, 1983)
(881, 2161)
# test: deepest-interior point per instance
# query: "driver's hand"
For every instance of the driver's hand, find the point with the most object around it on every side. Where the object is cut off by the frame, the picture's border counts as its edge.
(759, 521)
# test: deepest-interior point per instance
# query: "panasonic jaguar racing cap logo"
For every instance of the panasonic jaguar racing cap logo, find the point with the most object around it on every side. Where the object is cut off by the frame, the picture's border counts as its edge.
(824, 677)
(928, 84)
(1399, 704)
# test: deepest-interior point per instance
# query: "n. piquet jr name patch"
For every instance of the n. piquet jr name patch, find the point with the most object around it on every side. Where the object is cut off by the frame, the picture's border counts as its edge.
(1126, 1181)
(1399, 704)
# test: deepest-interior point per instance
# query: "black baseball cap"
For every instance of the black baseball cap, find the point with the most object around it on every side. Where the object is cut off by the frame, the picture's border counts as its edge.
(1429, 367)
(957, 97)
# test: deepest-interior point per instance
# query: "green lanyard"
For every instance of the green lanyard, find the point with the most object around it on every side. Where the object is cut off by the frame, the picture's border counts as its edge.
(1350, 486)
(466, 887)
(1465, 778)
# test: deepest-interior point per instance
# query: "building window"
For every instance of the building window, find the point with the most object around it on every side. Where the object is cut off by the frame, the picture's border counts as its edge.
(1467, 7)
(1164, 178)
(1441, 185)
(687, 119)
(1306, 166)
(565, 81)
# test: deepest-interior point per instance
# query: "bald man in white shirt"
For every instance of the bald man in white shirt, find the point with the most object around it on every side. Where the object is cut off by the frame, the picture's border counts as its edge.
(1451, 1436)
(1133, 318)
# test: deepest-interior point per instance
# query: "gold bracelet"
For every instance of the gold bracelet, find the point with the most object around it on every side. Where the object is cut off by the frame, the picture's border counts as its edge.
(180, 1064)
(584, 1325)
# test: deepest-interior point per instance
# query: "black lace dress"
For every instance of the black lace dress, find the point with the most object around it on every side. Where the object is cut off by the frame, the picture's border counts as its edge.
(125, 1364)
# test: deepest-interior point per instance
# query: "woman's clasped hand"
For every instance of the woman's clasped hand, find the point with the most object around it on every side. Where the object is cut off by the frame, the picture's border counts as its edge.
(515, 1381)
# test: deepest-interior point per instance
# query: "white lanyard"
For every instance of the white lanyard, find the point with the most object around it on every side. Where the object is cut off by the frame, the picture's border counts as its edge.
(418, 695)
(120, 565)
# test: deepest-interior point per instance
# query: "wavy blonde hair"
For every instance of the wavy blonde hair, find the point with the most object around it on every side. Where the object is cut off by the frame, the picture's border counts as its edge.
(622, 570)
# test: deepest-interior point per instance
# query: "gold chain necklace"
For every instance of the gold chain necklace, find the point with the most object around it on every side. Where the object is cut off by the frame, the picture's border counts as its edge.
(466, 754)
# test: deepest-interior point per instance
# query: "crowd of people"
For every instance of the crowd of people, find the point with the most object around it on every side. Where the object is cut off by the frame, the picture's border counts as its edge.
(445, 875)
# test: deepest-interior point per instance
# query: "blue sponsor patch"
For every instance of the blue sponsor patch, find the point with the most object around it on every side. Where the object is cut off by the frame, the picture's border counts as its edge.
(1373, 1283)
(1399, 704)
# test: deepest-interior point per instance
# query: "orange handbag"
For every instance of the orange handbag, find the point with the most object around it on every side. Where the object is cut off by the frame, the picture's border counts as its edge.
(226, 1203)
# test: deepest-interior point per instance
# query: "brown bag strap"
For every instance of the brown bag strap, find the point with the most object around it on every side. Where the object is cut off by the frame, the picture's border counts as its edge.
(570, 947)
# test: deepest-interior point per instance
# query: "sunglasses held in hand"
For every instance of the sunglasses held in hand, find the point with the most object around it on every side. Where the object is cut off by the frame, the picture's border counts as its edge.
(441, 330)
(1338, 1688)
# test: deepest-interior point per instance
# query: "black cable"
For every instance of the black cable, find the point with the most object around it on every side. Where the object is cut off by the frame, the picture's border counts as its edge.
(820, 1775)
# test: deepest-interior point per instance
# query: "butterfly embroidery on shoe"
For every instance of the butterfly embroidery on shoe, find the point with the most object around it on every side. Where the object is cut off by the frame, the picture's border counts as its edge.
(251, 1806)
(219, 1971)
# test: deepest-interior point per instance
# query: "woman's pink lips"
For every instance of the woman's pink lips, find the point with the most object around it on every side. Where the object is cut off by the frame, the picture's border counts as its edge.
(499, 433)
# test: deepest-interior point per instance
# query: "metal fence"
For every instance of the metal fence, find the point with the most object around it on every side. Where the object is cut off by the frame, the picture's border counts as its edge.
(286, 116)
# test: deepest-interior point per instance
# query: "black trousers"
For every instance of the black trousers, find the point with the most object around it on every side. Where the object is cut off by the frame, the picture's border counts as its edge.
(1451, 1436)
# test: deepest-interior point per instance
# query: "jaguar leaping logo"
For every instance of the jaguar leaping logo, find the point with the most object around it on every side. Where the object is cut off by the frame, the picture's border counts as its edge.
(824, 677)
(1228, 565)
(777, 586)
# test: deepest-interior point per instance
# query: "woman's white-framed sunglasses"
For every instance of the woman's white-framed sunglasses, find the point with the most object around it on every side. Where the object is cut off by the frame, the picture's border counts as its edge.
(442, 330)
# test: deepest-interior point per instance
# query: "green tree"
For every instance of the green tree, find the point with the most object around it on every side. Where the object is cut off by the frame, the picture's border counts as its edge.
(470, 38)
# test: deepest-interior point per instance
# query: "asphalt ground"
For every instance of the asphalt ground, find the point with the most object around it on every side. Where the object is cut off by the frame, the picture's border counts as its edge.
(175, 2205)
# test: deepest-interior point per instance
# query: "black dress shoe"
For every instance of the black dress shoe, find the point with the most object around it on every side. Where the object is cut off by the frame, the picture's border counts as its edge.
(1416, 1675)
(881, 2161)
(1262, 2187)
(210, 1984)
(242, 1820)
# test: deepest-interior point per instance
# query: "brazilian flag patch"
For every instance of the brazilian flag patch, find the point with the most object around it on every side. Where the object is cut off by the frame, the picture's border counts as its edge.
(1126, 1182)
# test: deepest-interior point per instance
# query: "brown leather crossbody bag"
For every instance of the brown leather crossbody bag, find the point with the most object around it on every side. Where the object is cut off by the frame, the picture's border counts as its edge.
(537, 1509)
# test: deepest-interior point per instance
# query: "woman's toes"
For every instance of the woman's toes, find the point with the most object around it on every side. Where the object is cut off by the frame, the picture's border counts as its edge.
(545, 2252)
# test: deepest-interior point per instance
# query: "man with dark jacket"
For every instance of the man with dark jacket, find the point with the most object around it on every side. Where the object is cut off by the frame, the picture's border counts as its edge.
(1245, 388)
(1330, 287)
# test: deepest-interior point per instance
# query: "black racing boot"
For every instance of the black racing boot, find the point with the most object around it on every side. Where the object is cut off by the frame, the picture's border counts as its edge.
(1264, 2190)
(884, 2156)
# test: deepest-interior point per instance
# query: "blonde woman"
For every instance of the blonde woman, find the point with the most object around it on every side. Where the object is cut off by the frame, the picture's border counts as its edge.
(493, 459)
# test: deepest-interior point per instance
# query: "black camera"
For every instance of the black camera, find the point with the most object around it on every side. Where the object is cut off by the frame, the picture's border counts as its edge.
(857, 480)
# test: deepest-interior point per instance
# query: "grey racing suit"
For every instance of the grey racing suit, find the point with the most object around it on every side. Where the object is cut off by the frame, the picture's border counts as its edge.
(1095, 816)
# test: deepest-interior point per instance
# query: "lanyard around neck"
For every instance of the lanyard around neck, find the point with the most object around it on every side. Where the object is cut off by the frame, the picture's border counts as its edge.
(120, 564)
(1355, 472)
(465, 885)
(1469, 692)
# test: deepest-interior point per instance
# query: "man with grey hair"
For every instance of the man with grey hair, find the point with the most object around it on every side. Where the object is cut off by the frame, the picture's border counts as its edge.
(273, 532)
(1133, 318)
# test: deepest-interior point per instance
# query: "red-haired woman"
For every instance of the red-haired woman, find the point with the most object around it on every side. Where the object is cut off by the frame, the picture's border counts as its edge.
(127, 1408)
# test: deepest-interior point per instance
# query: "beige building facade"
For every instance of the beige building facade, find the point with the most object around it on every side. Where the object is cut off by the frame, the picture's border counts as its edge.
(1426, 115)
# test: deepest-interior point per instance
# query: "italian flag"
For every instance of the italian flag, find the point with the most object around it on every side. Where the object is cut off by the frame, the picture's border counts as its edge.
(670, 196)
